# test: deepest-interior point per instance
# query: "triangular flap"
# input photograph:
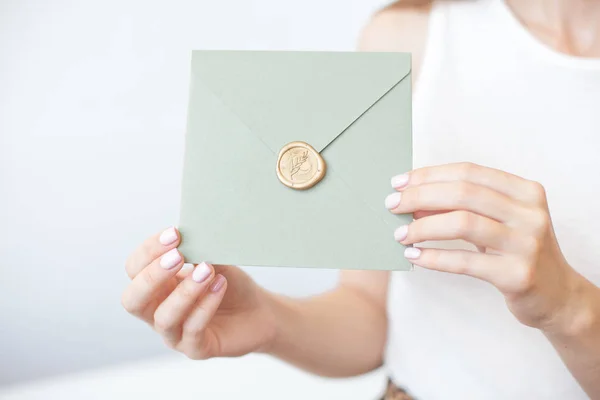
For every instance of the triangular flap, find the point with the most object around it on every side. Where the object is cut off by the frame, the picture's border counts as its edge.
(299, 96)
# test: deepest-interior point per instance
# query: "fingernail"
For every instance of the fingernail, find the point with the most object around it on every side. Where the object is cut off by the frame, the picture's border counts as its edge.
(168, 236)
(201, 272)
(170, 259)
(392, 201)
(217, 283)
(412, 253)
(401, 233)
(399, 181)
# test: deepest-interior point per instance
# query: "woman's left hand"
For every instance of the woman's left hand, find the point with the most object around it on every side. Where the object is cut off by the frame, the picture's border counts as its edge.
(506, 217)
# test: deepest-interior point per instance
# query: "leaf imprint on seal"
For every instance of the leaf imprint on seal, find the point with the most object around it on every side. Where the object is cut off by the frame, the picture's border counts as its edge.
(297, 162)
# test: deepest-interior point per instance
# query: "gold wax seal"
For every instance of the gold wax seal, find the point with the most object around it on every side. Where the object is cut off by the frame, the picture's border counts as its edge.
(300, 166)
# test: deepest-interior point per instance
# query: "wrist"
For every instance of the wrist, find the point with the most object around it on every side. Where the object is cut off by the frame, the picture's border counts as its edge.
(581, 313)
(279, 308)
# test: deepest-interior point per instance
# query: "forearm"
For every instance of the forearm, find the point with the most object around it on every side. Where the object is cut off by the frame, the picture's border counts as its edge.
(577, 337)
(339, 333)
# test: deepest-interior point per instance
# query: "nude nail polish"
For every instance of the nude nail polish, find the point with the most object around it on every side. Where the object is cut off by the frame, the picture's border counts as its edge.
(412, 253)
(399, 181)
(401, 233)
(393, 201)
(168, 237)
(201, 272)
(217, 283)
(170, 259)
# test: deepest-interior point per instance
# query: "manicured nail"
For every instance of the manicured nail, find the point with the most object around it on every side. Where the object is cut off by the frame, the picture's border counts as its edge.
(399, 181)
(201, 272)
(392, 201)
(412, 253)
(170, 259)
(401, 233)
(217, 283)
(168, 236)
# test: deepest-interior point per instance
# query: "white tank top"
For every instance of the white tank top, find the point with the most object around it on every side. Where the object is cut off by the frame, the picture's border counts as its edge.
(489, 92)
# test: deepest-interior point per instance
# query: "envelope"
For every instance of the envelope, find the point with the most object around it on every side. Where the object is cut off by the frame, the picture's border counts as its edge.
(289, 155)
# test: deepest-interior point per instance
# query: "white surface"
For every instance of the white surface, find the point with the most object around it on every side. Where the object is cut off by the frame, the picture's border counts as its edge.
(249, 377)
(92, 113)
(489, 94)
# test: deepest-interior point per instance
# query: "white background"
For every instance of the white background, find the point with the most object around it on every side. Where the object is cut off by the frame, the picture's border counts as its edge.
(92, 116)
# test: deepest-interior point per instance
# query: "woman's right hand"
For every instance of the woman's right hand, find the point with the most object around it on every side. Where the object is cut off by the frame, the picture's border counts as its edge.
(204, 313)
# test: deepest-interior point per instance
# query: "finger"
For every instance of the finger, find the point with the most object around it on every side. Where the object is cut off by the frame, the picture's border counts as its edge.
(151, 249)
(455, 196)
(171, 313)
(165, 291)
(149, 281)
(510, 185)
(480, 231)
(197, 343)
(488, 267)
(422, 214)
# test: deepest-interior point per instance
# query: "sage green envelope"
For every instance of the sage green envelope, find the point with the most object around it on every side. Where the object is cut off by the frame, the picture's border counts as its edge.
(244, 106)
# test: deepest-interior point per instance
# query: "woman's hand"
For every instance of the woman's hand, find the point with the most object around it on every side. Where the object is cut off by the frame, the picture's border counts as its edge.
(506, 217)
(207, 312)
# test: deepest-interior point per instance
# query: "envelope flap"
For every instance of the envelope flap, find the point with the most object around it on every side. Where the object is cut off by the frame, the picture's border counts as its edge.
(299, 96)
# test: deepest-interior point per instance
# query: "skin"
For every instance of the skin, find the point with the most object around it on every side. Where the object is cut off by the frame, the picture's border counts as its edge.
(343, 332)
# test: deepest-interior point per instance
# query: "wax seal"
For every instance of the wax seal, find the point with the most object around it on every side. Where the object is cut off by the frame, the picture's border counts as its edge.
(300, 166)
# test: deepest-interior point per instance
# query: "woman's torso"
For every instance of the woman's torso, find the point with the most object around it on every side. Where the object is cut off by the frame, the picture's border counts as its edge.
(489, 93)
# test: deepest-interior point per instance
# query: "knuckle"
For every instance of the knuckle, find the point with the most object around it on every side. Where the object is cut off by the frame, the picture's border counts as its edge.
(186, 292)
(130, 304)
(433, 258)
(539, 221)
(436, 259)
(149, 277)
(465, 223)
(419, 176)
(147, 247)
(162, 323)
(524, 277)
(465, 192)
(461, 264)
(537, 192)
(195, 330)
(133, 264)
(467, 169)
(192, 331)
